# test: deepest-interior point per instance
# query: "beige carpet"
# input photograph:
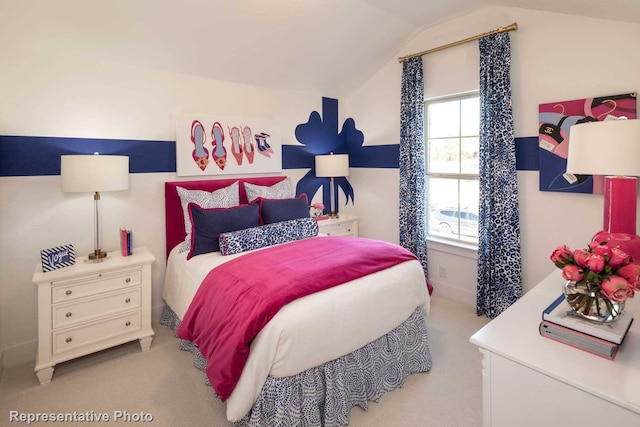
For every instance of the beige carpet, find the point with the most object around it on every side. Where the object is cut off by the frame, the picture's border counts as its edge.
(162, 383)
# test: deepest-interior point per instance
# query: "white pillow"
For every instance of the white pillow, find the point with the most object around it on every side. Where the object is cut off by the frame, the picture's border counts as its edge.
(281, 190)
(227, 197)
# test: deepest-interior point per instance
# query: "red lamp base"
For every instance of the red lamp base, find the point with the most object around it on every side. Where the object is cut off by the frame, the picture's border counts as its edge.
(629, 243)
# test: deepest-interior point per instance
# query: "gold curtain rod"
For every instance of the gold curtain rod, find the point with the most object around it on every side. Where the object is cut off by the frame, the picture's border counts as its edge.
(511, 27)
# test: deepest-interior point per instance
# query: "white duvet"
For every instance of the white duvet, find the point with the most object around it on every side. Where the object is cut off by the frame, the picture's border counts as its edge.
(309, 331)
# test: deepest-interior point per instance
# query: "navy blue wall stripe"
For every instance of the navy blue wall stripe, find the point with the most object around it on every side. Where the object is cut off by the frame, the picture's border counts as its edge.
(374, 156)
(527, 155)
(32, 156)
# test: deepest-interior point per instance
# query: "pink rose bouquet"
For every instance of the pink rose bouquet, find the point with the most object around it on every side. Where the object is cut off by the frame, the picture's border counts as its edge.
(599, 268)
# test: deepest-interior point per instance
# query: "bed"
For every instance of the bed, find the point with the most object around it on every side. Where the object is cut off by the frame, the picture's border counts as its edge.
(318, 355)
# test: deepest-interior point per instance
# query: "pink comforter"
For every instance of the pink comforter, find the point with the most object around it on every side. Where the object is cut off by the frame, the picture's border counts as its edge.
(238, 298)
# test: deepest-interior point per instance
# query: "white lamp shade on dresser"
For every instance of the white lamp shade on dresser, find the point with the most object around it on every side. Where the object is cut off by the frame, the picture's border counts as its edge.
(609, 147)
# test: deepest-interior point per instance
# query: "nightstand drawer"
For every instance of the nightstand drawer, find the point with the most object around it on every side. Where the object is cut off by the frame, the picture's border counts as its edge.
(339, 230)
(69, 314)
(72, 338)
(95, 285)
(346, 225)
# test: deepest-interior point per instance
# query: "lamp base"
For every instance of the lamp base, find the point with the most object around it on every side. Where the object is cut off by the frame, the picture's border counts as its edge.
(97, 256)
(629, 243)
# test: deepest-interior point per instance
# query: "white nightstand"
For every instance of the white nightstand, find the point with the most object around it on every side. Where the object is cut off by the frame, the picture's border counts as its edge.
(89, 307)
(345, 225)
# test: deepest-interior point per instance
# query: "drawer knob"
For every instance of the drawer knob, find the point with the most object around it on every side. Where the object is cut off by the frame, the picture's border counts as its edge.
(69, 314)
(69, 339)
(69, 292)
(128, 300)
(128, 324)
(128, 279)
(349, 230)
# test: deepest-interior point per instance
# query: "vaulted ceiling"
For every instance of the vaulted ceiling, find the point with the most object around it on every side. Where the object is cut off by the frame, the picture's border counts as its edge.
(318, 46)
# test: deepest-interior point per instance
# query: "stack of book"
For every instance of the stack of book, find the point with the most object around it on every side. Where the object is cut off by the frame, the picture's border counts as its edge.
(125, 241)
(560, 323)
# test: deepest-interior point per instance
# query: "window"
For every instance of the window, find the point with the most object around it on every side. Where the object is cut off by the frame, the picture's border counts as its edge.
(452, 145)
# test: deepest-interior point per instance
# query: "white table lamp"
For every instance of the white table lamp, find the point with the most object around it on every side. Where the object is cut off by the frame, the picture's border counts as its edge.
(94, 173)
(332, 166)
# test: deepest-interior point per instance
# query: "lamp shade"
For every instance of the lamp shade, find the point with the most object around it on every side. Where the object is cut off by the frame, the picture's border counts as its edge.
(91, 173)
(610, 147)
(332, 165)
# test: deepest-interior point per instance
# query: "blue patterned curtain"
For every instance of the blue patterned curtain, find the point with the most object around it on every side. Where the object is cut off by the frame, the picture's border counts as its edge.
(412, 162)
(499, 262)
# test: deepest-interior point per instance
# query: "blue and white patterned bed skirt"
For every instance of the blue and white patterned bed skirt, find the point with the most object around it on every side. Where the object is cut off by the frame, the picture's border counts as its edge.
(324, 395)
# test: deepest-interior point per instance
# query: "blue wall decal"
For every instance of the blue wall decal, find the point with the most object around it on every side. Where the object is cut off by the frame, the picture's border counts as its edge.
(320, 136)
(34, 155)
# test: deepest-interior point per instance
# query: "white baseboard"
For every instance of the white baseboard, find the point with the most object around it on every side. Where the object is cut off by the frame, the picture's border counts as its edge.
(461, 295)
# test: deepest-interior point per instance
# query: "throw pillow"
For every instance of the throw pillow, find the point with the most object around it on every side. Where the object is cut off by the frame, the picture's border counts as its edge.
(281, 190)
(235, 242)
(222, 198)
(208, 224)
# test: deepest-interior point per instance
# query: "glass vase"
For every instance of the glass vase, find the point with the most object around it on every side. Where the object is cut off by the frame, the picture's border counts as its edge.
(590, 304)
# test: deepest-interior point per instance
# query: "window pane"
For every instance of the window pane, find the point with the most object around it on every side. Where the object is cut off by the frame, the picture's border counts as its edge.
(444, 119)
(470, 113)
(470, 194)
(444, 155)
(443, 206)
(470, 162)
(469, 200)
(452, 142)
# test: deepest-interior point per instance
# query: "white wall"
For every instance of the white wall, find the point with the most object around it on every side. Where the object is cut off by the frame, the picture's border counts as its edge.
(555, 57)
(54, 95)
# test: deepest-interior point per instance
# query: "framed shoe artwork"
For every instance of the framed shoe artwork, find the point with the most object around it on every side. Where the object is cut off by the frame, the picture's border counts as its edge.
(217, 145)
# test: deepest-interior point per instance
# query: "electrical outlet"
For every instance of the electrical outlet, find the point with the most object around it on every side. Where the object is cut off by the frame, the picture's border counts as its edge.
(443, 272)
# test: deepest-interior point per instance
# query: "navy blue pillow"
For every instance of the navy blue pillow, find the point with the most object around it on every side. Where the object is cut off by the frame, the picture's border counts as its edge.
(207, 224)
(277, 210)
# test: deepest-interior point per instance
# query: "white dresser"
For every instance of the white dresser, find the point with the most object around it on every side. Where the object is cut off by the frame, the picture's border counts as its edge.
(345, 225)
(532, 381)
(88, 307)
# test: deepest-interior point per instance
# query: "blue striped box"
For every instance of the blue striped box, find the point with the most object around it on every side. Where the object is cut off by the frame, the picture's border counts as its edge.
(58, 257)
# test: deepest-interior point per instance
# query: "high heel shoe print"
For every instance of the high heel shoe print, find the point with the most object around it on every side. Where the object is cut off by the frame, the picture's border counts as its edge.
(263, 146)
(198, 137)
(236, 144)
(219, 152)
(248, 144)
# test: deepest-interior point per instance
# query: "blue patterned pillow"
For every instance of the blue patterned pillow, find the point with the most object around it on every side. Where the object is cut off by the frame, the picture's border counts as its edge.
(235, 242)
(280, 190)
(223, 198)
(208, 224)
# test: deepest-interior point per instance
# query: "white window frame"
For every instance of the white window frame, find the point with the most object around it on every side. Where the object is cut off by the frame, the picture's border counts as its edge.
(455, 239)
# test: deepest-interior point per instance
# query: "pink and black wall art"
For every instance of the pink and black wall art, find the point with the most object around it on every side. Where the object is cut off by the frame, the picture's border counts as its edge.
(555, 120)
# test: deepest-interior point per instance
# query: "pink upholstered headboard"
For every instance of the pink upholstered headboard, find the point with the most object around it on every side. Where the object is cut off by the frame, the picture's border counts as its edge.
(174, 222)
